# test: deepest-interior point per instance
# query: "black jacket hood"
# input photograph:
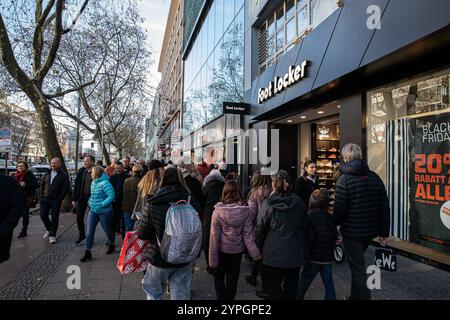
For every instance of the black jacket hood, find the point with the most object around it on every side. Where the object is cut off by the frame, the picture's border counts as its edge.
(355, 168)
(283, 202)
(168, 194)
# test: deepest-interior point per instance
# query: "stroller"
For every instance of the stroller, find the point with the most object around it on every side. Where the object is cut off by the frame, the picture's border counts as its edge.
(339, 255)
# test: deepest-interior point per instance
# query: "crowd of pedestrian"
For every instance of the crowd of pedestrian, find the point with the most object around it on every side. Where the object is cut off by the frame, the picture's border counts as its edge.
(286, 228)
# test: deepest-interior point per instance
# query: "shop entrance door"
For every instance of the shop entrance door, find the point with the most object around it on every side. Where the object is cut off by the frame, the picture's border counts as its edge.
(288, 148)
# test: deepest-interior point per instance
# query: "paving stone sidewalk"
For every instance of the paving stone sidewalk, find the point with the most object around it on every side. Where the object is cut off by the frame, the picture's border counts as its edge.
(43, 275)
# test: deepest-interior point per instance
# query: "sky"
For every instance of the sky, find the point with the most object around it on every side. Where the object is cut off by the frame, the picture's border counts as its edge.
(155, 13)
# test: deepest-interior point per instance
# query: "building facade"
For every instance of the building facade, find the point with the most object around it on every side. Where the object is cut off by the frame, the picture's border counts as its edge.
(314, 75)
(323, 73)
(169, 92)
(213, 57)
(26, 142)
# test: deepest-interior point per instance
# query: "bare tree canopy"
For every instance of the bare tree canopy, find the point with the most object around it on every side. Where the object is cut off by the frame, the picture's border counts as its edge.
(50, 49)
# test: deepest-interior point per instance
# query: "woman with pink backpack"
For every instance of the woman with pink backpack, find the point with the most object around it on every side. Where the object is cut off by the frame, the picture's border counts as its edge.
(232, 232)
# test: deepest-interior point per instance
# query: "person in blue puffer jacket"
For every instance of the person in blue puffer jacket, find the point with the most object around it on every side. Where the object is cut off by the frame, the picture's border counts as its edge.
(100, 210)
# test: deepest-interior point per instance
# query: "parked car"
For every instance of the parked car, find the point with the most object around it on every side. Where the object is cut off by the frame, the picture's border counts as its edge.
(39, 171)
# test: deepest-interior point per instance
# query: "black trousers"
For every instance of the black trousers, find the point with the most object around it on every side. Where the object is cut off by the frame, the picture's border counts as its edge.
(81, 213)
(280, 283)
(117, 222)
(227, 276)
(206, 252)
(53, 208)
(355, 251)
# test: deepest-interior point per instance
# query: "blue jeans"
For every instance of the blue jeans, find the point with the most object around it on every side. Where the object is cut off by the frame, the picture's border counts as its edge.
(309, 272)
(180, 281)
(129, 224)
(105, 219)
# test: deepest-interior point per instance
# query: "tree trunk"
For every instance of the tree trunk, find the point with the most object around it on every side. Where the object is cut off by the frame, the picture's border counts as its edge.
(49, 135)
(106, 155)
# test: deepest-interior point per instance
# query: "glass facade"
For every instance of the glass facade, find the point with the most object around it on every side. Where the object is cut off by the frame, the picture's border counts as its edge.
(214, 68)
(408, 145)
(292, 21)
(403, 100)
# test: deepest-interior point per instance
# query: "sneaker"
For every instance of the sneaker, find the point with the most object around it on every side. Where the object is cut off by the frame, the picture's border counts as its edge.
(22, 234)
(46, 234)
(80, 241)
(262, 294)
(52, 240)
(251, 279)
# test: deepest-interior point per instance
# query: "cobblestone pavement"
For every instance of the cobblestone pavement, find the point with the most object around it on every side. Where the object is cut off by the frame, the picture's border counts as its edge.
(45, 277)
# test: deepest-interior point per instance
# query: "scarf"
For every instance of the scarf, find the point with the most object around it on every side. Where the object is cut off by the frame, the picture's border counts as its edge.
(20, 176)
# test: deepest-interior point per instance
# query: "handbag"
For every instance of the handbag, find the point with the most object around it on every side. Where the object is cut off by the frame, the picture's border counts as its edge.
(131, 258)
(31, 202)
(386, 259)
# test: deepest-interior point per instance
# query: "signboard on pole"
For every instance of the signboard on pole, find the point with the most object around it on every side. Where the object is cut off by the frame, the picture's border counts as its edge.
(5, 139)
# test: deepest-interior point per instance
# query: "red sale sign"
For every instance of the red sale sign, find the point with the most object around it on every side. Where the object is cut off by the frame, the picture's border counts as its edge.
(430, 181)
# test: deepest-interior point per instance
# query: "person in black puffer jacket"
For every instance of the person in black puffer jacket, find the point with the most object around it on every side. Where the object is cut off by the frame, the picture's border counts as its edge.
(361, 208)
(281, 236)
(322, 233)
(212, 191)
(152, 225)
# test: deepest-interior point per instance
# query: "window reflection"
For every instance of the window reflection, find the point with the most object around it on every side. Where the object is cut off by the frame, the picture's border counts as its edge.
(418, 96)
(217, 72)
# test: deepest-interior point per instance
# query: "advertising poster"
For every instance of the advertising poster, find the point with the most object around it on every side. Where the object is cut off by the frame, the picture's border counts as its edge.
(430, 182)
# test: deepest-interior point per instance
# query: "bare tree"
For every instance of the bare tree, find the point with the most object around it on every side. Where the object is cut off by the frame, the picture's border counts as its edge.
(109, 47)
(29, 44)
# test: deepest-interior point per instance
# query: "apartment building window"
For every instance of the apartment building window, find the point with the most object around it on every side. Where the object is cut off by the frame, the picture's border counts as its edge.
(291, 22)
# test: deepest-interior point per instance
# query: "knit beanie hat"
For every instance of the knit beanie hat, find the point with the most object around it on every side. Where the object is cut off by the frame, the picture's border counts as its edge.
(319, 199)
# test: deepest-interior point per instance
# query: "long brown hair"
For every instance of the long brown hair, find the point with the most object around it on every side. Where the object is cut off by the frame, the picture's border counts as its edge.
(232, 193)
(282, 182)
(174, 177)
(150, 183)
(260, 180)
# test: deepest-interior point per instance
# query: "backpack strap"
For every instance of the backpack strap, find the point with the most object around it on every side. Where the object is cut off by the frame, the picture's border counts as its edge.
(185, 201)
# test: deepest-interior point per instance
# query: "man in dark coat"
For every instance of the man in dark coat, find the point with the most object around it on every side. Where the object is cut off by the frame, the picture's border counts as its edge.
(361, 208)
(81, 194)
(54, 187)
(11, 207)
(118, 180)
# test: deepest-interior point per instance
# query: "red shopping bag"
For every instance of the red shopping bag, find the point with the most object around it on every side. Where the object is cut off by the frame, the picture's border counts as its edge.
(131, 258)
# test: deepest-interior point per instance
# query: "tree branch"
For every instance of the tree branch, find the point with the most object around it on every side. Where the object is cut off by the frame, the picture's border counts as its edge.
(41, 73)
(63, 93)
(8, 59)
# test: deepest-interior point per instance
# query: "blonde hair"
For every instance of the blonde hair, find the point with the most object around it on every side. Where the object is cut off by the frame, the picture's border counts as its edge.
(150, 183)
(137, 170)
(97, 172)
